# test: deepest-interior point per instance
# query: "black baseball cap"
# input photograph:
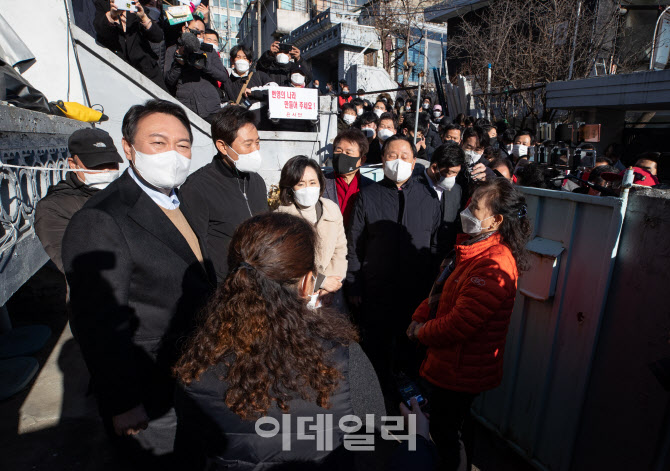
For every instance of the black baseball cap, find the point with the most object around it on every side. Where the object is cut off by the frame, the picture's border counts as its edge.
(297, 68)
(93, 147)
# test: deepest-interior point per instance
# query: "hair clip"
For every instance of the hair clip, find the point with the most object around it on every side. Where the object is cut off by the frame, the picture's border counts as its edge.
(243, 265)
(523, 211)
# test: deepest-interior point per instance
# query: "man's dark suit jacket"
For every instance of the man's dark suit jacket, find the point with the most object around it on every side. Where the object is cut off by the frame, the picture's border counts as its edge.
(135, 290)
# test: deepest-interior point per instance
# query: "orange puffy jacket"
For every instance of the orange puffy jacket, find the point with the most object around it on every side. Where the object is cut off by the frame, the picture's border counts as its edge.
(466, 340)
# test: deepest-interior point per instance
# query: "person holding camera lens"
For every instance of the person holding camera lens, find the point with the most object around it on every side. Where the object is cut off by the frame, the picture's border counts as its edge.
(192, 70)
(277, 63)
(130, 35)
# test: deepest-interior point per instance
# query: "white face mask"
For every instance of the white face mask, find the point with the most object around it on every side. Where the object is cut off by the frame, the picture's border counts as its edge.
(368, 132)
(314, 302)
(307, 197)
(282, 58)
(249, 163)
(519, 150)
(426, 106)
(167, 170)
(200, 40)
(378, 112)
(472, 157)
(359, 111)
(447, 183)
(384, 134)
(471, 225)
(349, 118)
(437, 114)
(216, 47)
(241, 65)
(99, 181)
(298, 79)
(397, 170)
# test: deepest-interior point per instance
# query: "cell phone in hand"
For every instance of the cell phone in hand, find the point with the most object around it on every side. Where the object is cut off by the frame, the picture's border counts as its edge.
(126, 5)
(410, 390)
(286, 48)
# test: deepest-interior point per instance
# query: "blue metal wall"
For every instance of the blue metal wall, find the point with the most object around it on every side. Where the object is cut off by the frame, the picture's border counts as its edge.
(551, 344)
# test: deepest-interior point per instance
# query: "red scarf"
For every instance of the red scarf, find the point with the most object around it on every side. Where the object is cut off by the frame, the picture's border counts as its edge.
(345, 195)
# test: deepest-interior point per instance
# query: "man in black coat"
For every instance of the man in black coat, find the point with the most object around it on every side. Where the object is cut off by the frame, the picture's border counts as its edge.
(195, 88)
(392, 239)
(90, 149)
(440, 177)
(130, 36)
(227, 191)
(277, 64)
(138, 275)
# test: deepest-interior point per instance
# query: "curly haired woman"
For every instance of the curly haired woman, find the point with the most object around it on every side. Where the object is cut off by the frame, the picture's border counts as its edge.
(261, 352)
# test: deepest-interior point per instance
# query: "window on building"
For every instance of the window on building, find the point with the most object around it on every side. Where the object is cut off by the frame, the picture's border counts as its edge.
(416, 55)
(434, 60)
(370, 58)
(293, 5)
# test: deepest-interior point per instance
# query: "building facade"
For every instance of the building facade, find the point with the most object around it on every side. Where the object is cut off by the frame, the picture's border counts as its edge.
(225, 18)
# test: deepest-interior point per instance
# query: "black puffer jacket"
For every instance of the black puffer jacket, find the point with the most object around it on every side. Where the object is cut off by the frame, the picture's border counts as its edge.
(54, 211)
(392, 245)
(258, 99)
(133, 45)
(196, 88)
(210, 436)
(279, 73)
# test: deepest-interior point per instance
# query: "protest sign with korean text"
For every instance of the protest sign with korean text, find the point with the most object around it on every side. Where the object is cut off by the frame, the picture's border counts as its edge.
(293, 103)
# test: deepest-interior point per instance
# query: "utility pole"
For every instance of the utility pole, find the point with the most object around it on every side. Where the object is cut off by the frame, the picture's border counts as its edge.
(228, 27)
(418, 107)
(574, 40)
(258, 12)
(488, 93)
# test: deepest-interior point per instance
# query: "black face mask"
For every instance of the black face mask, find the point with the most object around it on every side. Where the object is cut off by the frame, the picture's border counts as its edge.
(343, 163)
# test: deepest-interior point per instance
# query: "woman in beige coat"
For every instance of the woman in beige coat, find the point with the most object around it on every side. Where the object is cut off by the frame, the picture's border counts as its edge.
(300, 188)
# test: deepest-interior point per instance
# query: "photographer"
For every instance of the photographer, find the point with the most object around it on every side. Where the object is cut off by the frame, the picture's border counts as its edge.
(130, 36)
(192, 70)
(277, 63)
(241, 59)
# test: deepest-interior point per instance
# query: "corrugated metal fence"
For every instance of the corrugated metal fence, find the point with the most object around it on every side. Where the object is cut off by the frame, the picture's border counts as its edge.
(551, 343)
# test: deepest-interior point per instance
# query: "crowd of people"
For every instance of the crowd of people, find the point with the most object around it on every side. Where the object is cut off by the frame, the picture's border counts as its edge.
(199, 311)
(494, 148)
(185, 58)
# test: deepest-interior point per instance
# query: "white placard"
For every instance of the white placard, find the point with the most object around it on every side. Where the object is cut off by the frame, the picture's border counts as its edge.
(293, 103)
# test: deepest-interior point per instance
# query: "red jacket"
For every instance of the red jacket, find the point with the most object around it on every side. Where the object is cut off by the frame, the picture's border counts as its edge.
(341, 100)
(466, 340)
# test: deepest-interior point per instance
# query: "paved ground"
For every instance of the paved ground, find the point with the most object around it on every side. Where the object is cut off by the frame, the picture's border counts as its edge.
(53, 425)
